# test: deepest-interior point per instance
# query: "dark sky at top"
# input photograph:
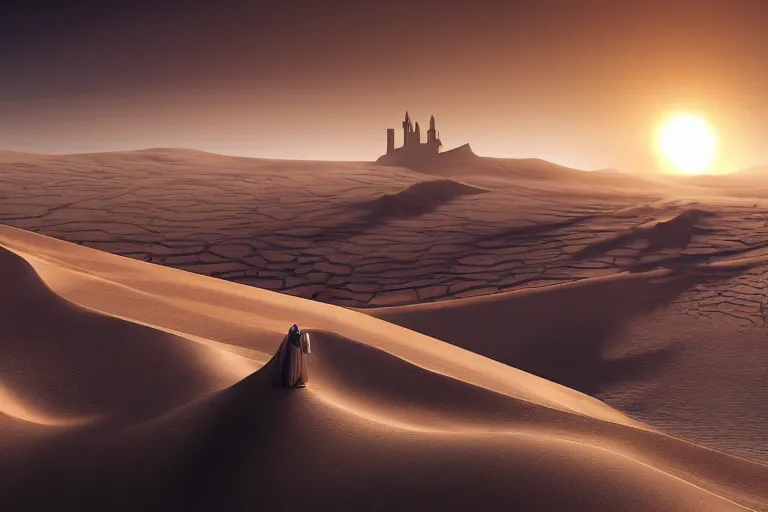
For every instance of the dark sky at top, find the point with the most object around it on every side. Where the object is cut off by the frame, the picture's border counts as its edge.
(583, 83)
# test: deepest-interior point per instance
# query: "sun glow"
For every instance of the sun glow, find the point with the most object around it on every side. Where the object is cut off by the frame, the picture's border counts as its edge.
(688, 143)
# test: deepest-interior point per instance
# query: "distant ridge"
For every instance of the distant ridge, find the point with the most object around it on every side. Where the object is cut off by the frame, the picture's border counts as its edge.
(611, 170)
(425, 161)
(757, 170)
(463, 161)
(457, 163)
(160, 153)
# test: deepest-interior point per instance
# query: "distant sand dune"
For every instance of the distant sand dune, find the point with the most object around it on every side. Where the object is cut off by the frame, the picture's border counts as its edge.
(672, 233)
(413, 202)
(359, 234)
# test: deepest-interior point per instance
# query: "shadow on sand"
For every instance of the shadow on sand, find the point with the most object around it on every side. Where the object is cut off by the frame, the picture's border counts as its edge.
(199, 455)
(675, 233)
(415, 201)
(509, 235)
(561, 333)
(238, 430)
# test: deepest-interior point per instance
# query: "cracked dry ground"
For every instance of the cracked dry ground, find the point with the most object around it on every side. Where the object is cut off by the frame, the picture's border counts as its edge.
(362, 235)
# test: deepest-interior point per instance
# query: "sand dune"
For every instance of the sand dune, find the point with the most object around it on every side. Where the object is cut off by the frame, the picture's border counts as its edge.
(535, 288)
(88, 362)
(463, 163)
(652, 344)
(166, 367)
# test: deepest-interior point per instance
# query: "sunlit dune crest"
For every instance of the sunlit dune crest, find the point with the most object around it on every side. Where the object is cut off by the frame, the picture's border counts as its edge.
(15, 407)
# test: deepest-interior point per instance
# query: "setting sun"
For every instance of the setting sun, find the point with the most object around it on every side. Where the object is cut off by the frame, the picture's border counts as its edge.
(688, 143)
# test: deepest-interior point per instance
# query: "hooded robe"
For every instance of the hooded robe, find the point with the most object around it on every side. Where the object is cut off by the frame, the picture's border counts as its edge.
(290, 365)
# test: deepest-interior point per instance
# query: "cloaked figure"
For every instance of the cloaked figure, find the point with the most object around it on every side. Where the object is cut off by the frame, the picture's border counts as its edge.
(290, 366)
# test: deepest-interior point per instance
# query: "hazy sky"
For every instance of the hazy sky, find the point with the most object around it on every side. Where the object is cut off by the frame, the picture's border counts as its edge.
(578, 82)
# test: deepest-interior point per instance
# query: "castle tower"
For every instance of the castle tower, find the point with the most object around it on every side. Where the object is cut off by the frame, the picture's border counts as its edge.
(417, 134)
(390, 140)
(407, 129)
(431, 133)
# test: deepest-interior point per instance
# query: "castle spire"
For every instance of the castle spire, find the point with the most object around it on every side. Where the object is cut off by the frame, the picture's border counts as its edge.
(432, 135)
(407, 129)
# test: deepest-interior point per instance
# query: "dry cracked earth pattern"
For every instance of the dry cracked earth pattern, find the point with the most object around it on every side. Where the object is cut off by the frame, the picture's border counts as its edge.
(364, 236)
(361, 235)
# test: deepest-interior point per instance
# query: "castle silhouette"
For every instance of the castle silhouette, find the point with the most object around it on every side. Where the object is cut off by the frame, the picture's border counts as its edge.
(416, 153)
(412, 143)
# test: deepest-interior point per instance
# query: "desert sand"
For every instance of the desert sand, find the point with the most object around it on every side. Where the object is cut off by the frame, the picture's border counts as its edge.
(555, 340)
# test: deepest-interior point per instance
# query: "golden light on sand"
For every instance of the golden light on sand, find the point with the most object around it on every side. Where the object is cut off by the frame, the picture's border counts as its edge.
(688, 143)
